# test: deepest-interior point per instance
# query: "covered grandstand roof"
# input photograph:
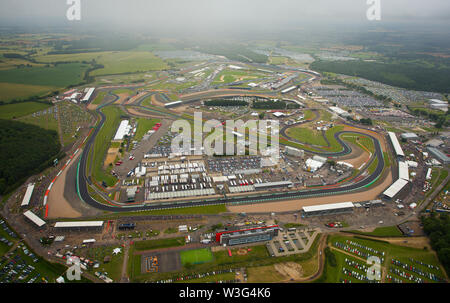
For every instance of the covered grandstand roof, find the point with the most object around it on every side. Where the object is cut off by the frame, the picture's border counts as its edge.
(27, 196)
(77, 224)
(397, 147)
(273, 184)
(395, 188)
(325, 207)
(33, 218)
(173, 103)
(88, 95)
(403, 172)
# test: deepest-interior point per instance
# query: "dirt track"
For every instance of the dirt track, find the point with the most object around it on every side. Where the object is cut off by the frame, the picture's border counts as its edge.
(58, 206)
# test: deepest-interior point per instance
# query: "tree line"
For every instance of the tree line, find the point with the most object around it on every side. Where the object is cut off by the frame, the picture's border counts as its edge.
(25, 150)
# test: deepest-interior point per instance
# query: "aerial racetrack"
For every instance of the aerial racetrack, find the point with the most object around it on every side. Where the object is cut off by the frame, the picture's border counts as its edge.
(83, 181)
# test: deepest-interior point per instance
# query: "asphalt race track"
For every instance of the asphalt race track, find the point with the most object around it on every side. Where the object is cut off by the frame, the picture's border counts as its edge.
(83, 180)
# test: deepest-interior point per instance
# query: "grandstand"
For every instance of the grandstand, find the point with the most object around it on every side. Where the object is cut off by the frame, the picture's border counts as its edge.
(327, 209)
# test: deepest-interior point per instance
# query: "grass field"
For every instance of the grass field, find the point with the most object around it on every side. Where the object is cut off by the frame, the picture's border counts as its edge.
(307, 136)
(99, 98)
(12, 111)
(160, 243)
(144, 125)
(102, 142)
(11, 91)
(386, 231)
(128, 62)
(228, 76)
(313, 137)
(76, 57)
(46, 119)
(196, 256)
(113, 268)
(61, 75)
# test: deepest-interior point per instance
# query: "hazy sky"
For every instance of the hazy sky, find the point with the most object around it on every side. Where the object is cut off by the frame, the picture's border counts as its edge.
(218, 14)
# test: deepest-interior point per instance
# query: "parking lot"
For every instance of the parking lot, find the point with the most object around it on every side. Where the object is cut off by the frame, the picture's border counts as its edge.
(233, 164)
(292, 241)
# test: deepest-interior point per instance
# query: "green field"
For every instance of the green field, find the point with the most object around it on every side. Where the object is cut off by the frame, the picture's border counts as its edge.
(99, 98)
(113, 268)
(386, 231)
(160, 243)
(61, 75)
(11, 91)
(313, 137)
(196, 256)
(102, 142)
(307, 136)
(47, 120)
(128, 62)
(144, 125)
(16, 110)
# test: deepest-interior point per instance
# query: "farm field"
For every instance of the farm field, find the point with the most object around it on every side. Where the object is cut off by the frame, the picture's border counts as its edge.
(17, 110)
(15, 91)
(61, 75)
(128, 62)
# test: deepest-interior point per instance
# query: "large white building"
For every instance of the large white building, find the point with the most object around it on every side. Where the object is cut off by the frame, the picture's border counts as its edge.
(396, 145)
(292, 151)
(123, 130)
(88, 95)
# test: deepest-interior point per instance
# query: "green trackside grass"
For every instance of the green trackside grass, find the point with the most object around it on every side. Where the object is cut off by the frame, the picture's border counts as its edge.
(386, 231)
(144, 125)
(102, 142)
(309, 114)
(373, 166)
(307, 136)
(123, 91)
(365, 143)
(196, 256)
(437, 177)
(17, 110)
(159, 243)
(99, 98)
